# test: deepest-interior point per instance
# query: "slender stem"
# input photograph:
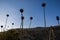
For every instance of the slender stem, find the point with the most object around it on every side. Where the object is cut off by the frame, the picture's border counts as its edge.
(58, 21)
(21, 20)
(22, 23)
(6, 23)
(1, 29)
(44, 18)
(30, 24)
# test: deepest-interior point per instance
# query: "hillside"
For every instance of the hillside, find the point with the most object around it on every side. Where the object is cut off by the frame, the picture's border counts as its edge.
(30, 34)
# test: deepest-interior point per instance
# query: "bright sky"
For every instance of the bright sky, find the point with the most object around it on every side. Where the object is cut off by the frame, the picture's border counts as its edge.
(31, 8)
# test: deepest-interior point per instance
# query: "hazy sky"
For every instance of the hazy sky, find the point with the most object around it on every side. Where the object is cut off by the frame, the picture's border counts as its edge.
(31, 8)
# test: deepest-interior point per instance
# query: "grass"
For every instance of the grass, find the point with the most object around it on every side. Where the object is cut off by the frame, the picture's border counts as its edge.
(38, 33)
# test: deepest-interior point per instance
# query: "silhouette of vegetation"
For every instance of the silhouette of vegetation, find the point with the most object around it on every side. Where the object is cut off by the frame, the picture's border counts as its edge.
(57, 18)
(1, 26)
(30, 34)
(31, 18)
(12, 23)
(6, 20)
(43, 5)
(22, 17)
(21, 10)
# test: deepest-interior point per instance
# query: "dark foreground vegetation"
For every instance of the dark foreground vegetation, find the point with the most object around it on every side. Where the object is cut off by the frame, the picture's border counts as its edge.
(30, 34)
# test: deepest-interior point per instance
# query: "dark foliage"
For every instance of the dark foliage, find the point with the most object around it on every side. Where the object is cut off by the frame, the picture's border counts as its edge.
(30, 34)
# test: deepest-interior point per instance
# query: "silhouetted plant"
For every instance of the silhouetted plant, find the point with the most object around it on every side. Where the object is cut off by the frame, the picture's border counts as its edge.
(7, 15)
(31, 18)
(22, 17)
(57, 18)
(1, 27)
(12, 23)
(6, 20)
(21, 10)
(43, 5)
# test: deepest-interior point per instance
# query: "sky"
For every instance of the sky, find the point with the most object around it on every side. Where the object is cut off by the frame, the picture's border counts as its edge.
(31, 8)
